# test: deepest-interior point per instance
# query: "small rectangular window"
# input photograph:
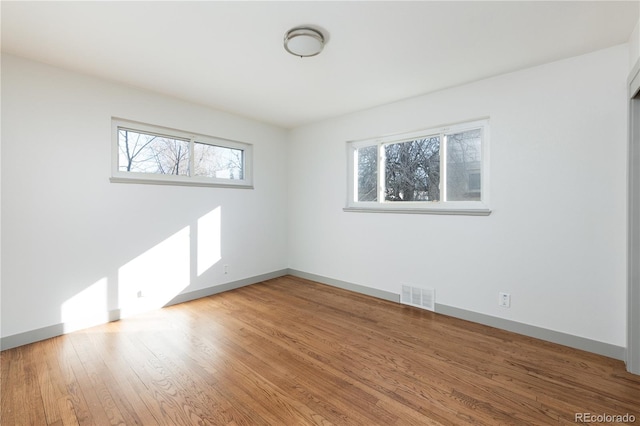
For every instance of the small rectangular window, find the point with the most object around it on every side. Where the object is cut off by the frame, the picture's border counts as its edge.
(412, 170)
(464, 160)
(367, 173)
(152, 154)
(433, 171)
(218, 161)
(149, 153)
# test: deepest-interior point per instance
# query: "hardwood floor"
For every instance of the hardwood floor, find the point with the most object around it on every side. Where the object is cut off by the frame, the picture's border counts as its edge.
(293, 352)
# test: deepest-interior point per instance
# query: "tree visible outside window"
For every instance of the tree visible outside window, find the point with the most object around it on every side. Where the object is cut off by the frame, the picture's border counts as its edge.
(412, 170)
(218, 161)
(145, 153)
(151, 154)
(440, 169)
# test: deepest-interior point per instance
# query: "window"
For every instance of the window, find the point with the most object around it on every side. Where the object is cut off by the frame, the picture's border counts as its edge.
(149, 154)
(432, 171)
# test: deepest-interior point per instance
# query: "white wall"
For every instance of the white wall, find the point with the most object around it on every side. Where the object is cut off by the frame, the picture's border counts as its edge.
(75, 246)
(556, 238)
(634, 46)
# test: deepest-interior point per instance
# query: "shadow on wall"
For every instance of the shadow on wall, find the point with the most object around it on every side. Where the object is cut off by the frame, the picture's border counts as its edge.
(150, 280)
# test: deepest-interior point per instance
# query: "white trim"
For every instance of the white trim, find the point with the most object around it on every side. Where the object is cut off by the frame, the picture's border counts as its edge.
(118, 176)
(382, 176)
(142, 178)
(444, 210)
(444, 166)
(477, 208)
(634, 80)
(633, 223)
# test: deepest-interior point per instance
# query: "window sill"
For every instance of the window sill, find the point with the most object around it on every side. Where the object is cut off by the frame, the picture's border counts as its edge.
(442, 211)
(179, 182)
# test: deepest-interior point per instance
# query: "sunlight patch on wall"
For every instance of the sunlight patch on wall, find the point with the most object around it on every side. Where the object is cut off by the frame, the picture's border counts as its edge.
(156, 276)
(87, 308)
(209, 244)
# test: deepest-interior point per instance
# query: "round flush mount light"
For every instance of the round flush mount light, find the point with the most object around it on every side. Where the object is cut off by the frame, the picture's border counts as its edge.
(303, 41)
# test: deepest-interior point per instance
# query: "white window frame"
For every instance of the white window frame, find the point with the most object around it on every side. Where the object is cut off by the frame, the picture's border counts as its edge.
(119, 176)
(476, 208)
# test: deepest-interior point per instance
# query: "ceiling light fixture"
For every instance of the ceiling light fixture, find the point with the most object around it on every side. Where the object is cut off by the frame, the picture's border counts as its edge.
(303, 41)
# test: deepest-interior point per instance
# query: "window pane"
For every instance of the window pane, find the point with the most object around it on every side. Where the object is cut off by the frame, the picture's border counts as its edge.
(218, 162)
(464, 161)
(147, 153)
(412, 170)
(367, 173)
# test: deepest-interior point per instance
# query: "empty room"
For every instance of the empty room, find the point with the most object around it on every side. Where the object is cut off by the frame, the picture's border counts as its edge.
(347, 213)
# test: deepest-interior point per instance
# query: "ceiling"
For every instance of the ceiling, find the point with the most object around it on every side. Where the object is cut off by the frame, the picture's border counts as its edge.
(229, 55)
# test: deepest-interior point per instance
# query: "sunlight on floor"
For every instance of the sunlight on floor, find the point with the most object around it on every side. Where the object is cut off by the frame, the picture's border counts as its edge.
(150, 280)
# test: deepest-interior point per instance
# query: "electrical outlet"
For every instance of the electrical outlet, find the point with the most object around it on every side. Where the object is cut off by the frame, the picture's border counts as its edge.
(226, 269)
(504, 300)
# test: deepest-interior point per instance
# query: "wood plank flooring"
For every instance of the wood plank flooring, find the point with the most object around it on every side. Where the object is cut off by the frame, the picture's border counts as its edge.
(293, 352)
